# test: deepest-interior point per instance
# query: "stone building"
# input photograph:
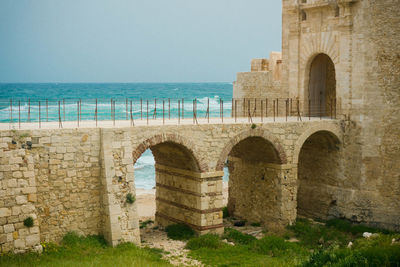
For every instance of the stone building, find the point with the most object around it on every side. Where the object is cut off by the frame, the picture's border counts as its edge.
(342, 55)
(338, 56)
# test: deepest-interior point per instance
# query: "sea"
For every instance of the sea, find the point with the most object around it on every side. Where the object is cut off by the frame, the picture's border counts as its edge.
(45, 100)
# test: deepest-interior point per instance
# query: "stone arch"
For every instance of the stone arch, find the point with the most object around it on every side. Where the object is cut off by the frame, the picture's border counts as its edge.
(255, 163)
(171, 138)
(334, 130)
(246, 134)
(319, 173)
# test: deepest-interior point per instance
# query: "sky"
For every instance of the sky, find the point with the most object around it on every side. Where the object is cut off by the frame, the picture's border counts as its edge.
(135, 41)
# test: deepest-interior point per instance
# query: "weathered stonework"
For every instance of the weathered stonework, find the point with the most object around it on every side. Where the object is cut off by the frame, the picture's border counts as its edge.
(349, 51)
(78, 179)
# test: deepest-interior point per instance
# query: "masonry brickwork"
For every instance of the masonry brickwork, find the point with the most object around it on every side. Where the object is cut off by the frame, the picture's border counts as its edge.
(78, 179)
(362, 40)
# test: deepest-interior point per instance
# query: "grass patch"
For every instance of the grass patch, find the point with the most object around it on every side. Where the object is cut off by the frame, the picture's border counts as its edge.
(276, 246)
(355, 229)
(318, 235)
(255, 224)
(179, 232)
(238, 237)
(76, 250)
(377, 251)
(205, 241)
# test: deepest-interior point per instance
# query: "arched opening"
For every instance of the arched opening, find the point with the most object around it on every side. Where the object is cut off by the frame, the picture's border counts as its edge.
(169, 169)
(321, 93)
(254, 176)
(319, 176)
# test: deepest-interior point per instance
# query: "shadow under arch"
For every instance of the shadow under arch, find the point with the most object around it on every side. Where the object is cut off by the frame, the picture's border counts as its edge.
(173, 140)
(275, 143)
(320, 170)
(255, 159)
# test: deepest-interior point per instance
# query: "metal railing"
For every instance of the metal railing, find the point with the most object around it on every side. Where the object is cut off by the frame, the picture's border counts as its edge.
(17, 112)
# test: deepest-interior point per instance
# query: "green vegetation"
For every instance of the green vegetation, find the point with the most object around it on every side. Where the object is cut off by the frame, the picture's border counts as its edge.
(238, 237)
(256, 224)
(253, 126)
(145, 223)
(318, 245)
(179, 232)
(225, 212)
(86, 251)
(130, 198)
(28, 222)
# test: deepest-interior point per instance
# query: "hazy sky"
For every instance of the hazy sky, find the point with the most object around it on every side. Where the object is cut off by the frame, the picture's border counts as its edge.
(134, 41)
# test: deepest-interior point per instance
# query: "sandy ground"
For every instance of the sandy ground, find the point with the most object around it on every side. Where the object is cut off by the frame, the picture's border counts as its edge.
(153, 237)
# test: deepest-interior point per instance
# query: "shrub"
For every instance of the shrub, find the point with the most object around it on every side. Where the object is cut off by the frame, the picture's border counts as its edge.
(255, 224)
(28, 222)
(130, 198)
(274, 246)
(145, 223)
(253, 126)
(179, 232)
(205, 241)
(225, 212)
(237, 237)
(72, 239)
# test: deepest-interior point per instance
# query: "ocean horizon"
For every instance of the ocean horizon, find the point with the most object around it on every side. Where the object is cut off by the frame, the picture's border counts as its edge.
(21, 93)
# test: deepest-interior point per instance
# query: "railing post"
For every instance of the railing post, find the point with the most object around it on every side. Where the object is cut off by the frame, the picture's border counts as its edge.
(64, 108)
(232, 109)
(309, 109)
(29, 110)
(126, 108)
(19, 114)
(40, 123)
(141, 109)
(59, 115)
(248, 111)
(208, 110)
(183, 107)
(77, 111)
(95, 113)
(147, 113)
(132, 122)
(298, 110)
(274, 110)
(179, 111)
(222, 108)
(235, 110)
(286, 108)
(277, 107)
(266, 108)
(155, 109)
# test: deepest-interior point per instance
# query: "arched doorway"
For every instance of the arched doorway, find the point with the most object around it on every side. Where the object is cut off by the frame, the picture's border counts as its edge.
(321, 93)
(254, 181)
(319, 176)
(177, 182)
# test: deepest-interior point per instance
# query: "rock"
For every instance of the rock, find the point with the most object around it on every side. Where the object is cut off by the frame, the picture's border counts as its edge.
(367, 234)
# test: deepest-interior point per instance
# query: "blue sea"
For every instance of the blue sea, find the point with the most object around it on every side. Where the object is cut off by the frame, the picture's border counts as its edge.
(17, 98)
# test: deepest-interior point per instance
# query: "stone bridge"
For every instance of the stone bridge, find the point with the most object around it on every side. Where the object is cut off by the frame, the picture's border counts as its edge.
(78, 179)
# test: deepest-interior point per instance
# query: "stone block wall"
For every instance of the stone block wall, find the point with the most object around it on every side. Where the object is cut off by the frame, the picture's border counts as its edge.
(78, 179)
(18, 196)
